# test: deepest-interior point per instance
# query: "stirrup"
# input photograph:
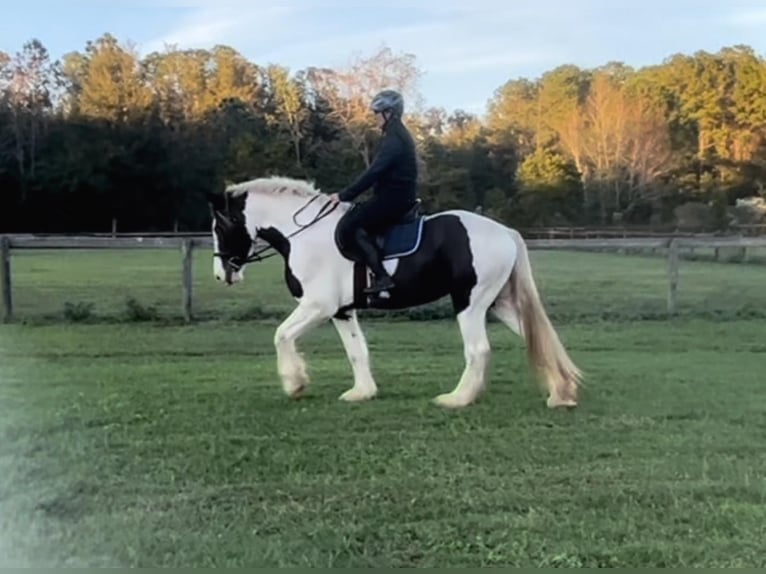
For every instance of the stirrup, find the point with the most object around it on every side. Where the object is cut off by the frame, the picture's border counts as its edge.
(380, 284)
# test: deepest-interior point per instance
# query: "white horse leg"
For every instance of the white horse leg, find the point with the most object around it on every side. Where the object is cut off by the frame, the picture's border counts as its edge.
(358, 355)
(505, 312)
(476, 346)
(290, 365)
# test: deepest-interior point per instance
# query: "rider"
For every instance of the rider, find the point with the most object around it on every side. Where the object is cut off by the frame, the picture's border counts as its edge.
(393, 173)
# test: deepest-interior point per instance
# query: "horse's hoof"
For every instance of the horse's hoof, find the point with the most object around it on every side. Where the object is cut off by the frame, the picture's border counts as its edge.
(556, 403)
(296, 393)
(450, 401)
(355, 395)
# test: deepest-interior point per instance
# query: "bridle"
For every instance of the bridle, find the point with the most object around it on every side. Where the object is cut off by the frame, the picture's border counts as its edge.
(257, 256)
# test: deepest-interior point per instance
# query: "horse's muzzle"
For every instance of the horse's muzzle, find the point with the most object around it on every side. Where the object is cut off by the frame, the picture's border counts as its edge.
(232, 275)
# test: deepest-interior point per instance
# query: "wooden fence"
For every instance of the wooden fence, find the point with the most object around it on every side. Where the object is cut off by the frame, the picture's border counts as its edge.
(744, 230)
(187, 243)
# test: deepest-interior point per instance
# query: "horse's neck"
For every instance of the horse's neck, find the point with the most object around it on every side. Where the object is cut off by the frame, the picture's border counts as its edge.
(288, 213)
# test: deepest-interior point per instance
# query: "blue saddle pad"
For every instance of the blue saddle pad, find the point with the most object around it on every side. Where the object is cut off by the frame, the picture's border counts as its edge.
(403, 239)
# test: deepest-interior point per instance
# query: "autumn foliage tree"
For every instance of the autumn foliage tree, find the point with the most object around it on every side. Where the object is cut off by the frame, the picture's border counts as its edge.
(348, 91)
(107, 138)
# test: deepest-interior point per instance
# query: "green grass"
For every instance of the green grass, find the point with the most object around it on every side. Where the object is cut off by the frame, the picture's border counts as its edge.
(159, 444)
(174, 446)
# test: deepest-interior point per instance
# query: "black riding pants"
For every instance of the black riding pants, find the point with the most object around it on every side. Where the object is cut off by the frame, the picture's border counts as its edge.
(374, 216)
(365, 220)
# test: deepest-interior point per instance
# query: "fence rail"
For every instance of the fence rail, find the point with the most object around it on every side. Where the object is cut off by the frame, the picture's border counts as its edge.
(591, 232)
(187, 243)
(750, 229)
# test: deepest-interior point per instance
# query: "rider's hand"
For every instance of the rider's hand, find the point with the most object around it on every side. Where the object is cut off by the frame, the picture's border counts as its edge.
(334, 198)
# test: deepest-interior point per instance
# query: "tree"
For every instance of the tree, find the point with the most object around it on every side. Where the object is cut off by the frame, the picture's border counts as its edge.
(108, 81)
(618, 141)
(349, 91)
(179, 81)
(145, 138)
(550, 190)
(231, 77)
(513, 115)
(288, 110)
(29, 82)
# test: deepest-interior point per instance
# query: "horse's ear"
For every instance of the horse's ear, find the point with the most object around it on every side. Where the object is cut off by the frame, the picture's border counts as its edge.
(223, 220)
(237, 203)
(217, 201)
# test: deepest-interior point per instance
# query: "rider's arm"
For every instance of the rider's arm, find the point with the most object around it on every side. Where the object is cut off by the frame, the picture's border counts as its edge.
(389, 150)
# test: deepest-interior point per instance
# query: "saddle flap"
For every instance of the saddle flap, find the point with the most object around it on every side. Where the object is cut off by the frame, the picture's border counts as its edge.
(402, 239)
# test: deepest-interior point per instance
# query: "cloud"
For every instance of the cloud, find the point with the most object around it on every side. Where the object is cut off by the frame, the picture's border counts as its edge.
(446, 40)
(197, 32)
(222, 22)
(490, 60)
(472, 36)
(466, 49)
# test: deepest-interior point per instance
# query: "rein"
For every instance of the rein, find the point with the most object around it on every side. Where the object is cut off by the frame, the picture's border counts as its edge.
(256, 256)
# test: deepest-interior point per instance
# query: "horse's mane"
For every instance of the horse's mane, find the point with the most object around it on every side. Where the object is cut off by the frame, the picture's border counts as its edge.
(274, 185)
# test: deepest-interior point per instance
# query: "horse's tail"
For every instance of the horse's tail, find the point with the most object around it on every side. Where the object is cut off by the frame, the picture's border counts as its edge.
(544, 349)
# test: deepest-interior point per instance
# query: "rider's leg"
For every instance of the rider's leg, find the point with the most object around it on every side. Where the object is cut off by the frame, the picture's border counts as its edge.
(373, 259)
(345, 231)
(359, 226)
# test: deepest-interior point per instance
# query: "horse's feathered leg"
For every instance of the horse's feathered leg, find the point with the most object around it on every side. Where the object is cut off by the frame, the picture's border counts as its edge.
(476, 348)
(358, 355)
(290, 365)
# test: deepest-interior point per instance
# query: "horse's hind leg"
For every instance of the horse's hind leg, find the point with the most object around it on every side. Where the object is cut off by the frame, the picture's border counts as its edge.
(504, 310)
(472, 322)
(358, 355)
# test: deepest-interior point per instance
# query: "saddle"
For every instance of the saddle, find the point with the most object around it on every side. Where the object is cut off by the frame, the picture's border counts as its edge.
(403, 238)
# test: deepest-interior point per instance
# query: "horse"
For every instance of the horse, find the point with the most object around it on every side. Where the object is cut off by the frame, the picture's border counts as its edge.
(482, 265)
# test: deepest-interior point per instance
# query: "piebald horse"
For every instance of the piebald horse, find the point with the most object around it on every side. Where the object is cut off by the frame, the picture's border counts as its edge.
(480, 264)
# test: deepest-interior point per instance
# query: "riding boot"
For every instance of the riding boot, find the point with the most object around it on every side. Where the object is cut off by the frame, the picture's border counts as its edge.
(371, 255)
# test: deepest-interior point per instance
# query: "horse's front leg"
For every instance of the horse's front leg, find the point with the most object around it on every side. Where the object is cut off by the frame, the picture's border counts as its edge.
(358, 355)
(290, 365)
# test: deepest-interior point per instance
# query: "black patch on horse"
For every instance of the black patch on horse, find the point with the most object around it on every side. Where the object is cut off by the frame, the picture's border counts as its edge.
(281, 245)
(442, 265)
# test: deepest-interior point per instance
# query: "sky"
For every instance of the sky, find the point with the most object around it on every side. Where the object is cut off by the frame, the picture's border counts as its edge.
(466, 49)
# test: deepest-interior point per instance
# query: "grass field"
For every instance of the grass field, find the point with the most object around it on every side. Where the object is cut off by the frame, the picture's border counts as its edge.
(130, 443)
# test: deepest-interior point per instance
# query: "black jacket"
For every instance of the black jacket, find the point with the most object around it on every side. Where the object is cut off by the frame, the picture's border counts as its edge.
(394, 170)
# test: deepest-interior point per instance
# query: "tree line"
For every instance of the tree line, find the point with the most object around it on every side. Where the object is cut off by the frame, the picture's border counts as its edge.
(104, 138)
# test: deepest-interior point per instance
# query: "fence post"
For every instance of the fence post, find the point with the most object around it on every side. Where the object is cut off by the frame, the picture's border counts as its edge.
(187, 250)
(672, 276)
(6, 279)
